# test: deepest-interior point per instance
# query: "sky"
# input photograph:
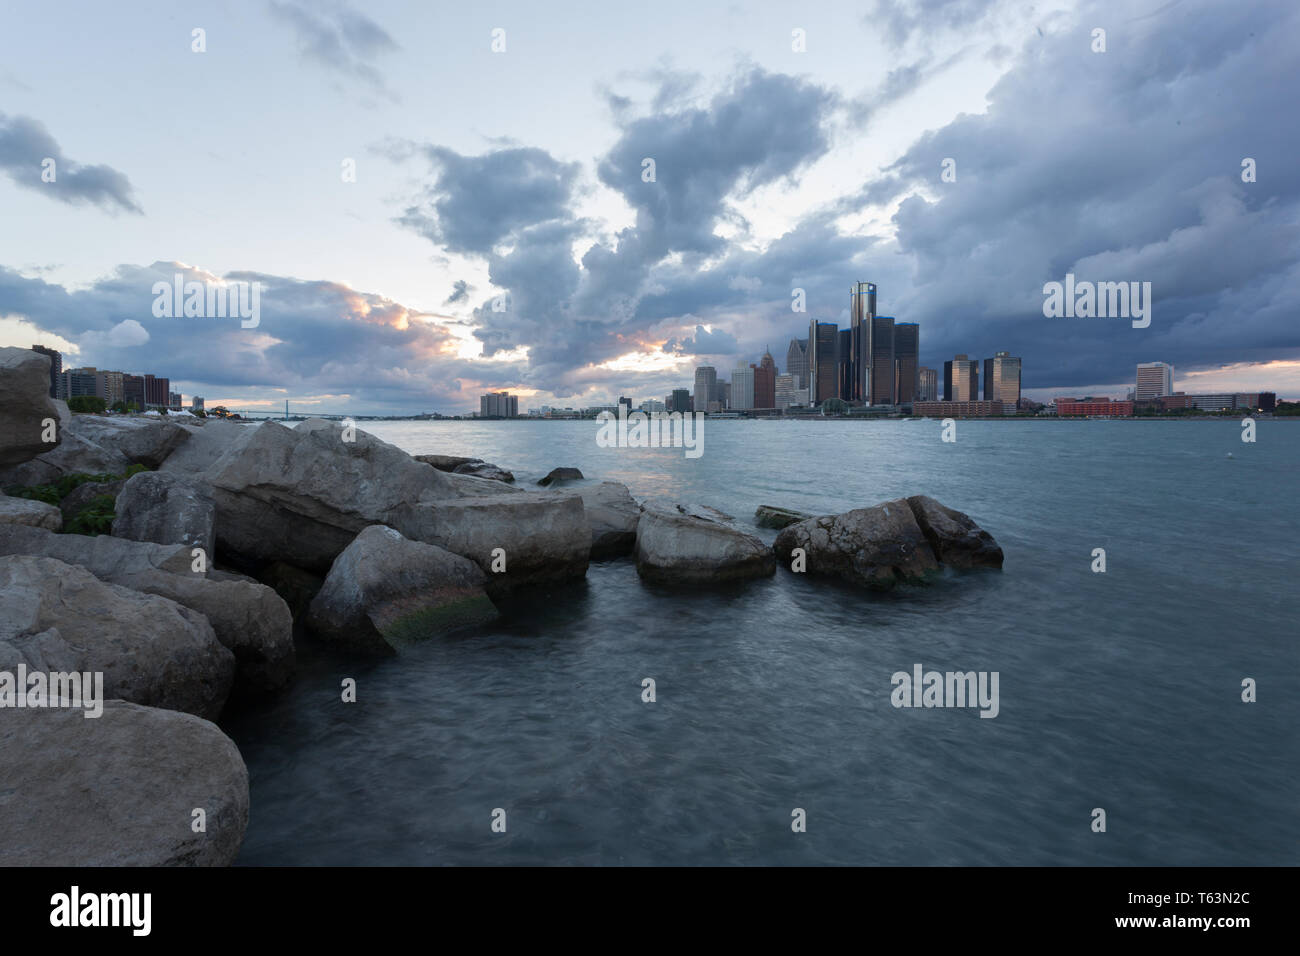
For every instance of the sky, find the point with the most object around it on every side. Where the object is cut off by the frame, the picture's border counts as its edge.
(439, 200)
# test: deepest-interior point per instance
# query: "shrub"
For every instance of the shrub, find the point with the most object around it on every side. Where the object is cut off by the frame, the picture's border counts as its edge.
(94, 519)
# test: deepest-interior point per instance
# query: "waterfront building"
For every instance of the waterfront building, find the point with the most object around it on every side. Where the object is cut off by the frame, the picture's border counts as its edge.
(56, 369)
(974, 408)
(498, 405)
(1154, 380)
(823, 344)
(927, 385)
(796, 361)
(907, 346)
(706, 387)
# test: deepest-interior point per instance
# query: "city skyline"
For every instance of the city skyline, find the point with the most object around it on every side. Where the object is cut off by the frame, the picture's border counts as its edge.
(411, 267)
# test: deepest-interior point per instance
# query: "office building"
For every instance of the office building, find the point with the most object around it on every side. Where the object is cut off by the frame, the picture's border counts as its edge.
(56, 369)
(845, 378)
(907, 344)
(680, 401)
(784, 391)
(1154, 379)
(927, 385)
(796, 362)
(1002, 379)
(498, 405)
(880, 361)
(862, 311)
(156, 391)
(742, 387)
(823, 344)
(706, 387)
(1094, 406)
(961, 380)
(765, 381)
(958, 409)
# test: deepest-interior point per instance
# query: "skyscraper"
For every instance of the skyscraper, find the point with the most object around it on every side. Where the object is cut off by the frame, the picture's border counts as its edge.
(927, 385)
(1002, 380)
(742, 386)
(907, 344)
(845, 379)
(961, 379)
(862, 310)
(796, 362)
(823, 343)
(706, 387)
(680, 400)
(765, 382)
(880, 361)
(1153, 380)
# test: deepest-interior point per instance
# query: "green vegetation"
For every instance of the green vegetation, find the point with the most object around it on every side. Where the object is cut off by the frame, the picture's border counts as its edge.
(125, 407)
(96, 518)
(1287, 408)
(87, 404)
(60, 489)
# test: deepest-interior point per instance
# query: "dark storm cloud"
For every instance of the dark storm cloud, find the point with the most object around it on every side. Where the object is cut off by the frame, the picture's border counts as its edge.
(703, 342)
(476, 202)
(338, 38)
(762, 128)
(25, 144)
(1116, 166)
(312, 336)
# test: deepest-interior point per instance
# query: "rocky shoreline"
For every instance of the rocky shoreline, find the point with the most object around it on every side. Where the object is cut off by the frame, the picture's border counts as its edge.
(228, 542)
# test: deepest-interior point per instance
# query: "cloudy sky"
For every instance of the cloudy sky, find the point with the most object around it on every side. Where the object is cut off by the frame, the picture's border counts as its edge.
(500, 232)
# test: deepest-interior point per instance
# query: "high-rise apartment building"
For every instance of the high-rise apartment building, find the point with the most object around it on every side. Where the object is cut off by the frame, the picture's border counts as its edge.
(56, 369)
(108, 386)
(823, 344)
(133, 391)
(79, 381)
(498, 405)
(796, 362)
(706, 387)
(907, 348)
(1154, 379)
(927, 387)
(157, 390)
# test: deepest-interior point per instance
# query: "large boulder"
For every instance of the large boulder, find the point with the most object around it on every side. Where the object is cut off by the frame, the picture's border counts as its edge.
(119, 790)
(248, 618)
(543, 538)
(144, 440)
(25, 406)
(385, 592)
(613, 514)
(35, 514)
(301, 495)
(56, 616)
(689, 544)
(100, 445)
(205, 445)
(875, 547)
(166, 508)
(954, 537)
(103, 555)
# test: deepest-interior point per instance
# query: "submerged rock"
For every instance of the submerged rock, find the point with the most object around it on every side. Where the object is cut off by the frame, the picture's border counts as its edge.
(558, 476)
(905, 540)
(119, 790)
(692, 544)
(770, 516)
(955, 538)
(385, 591)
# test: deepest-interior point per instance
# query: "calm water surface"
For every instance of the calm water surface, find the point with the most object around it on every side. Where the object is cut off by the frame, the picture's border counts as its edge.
(1118, 690)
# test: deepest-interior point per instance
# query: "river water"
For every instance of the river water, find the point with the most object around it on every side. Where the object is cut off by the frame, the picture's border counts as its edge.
(1119, 690)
